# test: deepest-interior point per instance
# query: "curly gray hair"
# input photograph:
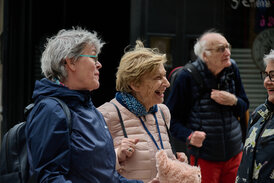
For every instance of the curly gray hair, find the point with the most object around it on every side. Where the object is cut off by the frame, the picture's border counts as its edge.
(66, 44)
(269, 57)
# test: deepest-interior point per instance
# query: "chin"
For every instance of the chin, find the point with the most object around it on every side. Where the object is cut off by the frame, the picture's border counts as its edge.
(160, 101)
(271, 98)
(94, 87)
(228, 63)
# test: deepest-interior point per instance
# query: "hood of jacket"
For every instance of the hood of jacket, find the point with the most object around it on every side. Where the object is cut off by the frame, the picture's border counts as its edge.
(47, 88)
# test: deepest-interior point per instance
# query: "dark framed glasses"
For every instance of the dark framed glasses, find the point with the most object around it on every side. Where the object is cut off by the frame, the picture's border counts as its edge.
(270, 74)
(221, 48)
(95, 57)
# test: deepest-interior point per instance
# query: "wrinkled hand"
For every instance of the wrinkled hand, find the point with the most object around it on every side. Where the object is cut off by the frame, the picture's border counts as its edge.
(155, 180)
(197, 138)
(223, 97)
(126, 149)
(182, 157)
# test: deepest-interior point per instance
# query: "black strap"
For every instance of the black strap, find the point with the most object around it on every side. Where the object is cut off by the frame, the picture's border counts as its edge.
(196, 75)
(34, 177)
(67, 112)
(175, 74)
(202, 89)
(63, 105)
(169, 135)
(121, 120)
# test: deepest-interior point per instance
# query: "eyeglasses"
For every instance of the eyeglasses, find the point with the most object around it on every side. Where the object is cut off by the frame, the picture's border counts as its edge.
(221, 48)
(95, 57)
(270, 75)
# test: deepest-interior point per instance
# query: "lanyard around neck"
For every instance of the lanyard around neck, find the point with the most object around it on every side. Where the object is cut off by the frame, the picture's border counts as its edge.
(148, 132)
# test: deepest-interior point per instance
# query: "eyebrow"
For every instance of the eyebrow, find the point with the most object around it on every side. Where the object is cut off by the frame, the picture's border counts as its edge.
(222, 44)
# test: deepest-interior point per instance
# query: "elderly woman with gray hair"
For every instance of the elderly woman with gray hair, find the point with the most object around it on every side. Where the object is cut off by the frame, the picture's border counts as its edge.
(140, 83)
(84, 153)
(257, 163)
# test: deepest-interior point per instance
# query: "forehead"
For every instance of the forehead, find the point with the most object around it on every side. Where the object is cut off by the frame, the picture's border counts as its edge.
(157, 69)
(91, 48)
(214, 39)
(270, 65)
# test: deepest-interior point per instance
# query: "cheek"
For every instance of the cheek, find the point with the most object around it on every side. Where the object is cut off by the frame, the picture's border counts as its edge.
(148, 90)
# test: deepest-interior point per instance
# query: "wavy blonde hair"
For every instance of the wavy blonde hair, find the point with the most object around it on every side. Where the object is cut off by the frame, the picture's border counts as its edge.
(135, 64)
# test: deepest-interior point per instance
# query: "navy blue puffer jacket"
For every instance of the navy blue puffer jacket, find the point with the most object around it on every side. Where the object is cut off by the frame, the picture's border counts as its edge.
(87, 155)
(193, 110)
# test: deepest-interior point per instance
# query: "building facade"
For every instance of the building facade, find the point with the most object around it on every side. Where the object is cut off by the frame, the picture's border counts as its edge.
(170, 25)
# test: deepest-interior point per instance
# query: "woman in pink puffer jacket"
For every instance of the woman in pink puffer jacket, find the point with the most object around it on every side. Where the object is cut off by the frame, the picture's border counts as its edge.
(140, 83)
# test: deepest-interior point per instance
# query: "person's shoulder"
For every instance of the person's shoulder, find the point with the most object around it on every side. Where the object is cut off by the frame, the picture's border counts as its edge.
(233, 61)
(163, 107)
(234, 64)
(183, 74)
(108, 108)
(108, 105)
(165, 110)
(48, 103)
(259, 109)
(45, 109)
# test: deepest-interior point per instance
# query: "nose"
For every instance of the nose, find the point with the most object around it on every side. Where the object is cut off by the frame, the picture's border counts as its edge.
(98, 64)
(166, 82)
(267, 80)
(227, 51)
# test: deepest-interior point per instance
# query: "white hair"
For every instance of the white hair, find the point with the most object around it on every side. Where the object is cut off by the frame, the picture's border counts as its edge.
(200, 45)
(66, 44)
(269, 57)
(199, 48)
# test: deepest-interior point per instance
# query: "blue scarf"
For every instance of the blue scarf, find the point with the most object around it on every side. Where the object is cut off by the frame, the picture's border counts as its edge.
(133, 105)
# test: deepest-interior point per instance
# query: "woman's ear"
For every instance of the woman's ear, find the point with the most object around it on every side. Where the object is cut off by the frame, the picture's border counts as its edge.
(134, 86)
(70, 64)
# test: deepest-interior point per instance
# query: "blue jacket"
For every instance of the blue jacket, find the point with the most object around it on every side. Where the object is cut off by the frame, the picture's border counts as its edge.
(85, 155)
(193, 110)
(257, 165)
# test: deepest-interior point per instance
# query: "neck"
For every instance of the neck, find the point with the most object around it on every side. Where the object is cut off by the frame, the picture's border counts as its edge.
(214, 71)
(140, 99)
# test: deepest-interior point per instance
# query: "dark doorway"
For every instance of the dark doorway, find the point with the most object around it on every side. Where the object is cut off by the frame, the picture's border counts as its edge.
(27, 24)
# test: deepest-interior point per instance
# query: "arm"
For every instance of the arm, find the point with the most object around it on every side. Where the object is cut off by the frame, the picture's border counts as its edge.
(48, 141)
(242, 100)
(238, 100)
(124, 147)
(179, 104)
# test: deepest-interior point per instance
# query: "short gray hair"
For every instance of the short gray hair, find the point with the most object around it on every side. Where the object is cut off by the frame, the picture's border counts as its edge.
(200, 45)
(199, 48)
(269, 57)
(66, 44)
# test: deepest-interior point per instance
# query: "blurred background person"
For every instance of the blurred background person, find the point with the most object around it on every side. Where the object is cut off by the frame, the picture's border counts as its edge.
(257, 163)
(208, 120)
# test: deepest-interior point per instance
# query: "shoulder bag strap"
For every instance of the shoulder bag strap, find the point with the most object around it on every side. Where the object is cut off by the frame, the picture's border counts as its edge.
(33, 178)
(169, 135)
(196, 75)
(66, 110)
(121, 120)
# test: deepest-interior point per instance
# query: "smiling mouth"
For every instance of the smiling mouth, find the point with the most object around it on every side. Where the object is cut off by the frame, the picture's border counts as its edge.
(160, 93)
